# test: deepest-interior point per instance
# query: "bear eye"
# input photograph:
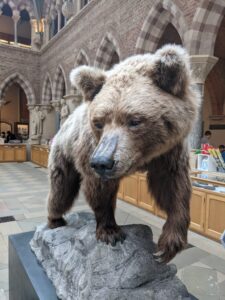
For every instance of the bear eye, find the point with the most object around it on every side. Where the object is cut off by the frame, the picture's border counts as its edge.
(134, 123)
(98, 125)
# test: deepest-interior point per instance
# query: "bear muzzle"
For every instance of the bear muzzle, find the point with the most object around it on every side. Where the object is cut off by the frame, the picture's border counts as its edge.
(102, 161)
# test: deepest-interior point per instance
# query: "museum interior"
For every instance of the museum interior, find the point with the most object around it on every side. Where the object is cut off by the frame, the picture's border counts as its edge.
(41, 41)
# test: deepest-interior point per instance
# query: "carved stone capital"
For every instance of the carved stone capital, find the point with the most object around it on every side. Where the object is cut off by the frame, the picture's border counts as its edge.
(74, 97)
(56, 104)
(16, 16)
(58, 5)
(31, 107)
(68, 9)
(46, 107)
(201, 66)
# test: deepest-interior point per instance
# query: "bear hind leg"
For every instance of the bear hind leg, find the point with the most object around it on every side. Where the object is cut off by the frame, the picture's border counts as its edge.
(64, 187)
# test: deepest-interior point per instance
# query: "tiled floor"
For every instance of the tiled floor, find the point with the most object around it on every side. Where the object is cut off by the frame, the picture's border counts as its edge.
(23, 193)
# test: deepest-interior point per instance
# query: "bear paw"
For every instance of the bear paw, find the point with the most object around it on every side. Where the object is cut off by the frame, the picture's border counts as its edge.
(110, 235)
(168, 246)
(54, 223)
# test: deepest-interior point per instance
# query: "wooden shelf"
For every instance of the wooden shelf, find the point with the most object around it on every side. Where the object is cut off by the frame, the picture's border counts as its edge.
(39, 155)
(13, 153)
(207, 208)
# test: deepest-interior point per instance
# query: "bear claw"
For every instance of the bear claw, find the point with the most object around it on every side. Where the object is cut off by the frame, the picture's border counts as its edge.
(54, 223)
(110, 235)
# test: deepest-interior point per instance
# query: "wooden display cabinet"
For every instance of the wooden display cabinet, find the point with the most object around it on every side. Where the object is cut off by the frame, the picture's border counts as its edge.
(197, 210)
(20, 154)
(145, 199)
(39, 155)
(215, 215)
(121, 190)
(8, 153)
(1, 154)
(130, 185)
(207, 208)
(13, 153)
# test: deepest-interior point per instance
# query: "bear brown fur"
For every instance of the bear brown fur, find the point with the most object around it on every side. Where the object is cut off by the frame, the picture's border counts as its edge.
(135, 117)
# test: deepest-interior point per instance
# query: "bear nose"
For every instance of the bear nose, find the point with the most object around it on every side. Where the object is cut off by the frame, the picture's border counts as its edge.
(101, 163)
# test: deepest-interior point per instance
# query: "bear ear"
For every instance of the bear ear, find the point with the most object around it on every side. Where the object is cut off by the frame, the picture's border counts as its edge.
(88, 80)
(171, 69)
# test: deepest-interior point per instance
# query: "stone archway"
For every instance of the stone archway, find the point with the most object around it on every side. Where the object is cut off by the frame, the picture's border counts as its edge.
(59, 85)
(205, 26)
(108, 53)
(169, 36)
(82, 59)
(47, 90)
(24, 83)
(159, 16)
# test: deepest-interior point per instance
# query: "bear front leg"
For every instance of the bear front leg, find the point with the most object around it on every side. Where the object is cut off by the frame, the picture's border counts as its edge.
(64, 187)
(101, 196)
(169, 182)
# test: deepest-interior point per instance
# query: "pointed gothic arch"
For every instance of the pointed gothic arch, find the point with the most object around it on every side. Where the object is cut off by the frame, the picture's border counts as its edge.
(47, 90)
(205, 25)
(9, 2)
(59, 84)
(159, 16)
(108, 52)
(22, 81)
(82, 58)
(28, 7)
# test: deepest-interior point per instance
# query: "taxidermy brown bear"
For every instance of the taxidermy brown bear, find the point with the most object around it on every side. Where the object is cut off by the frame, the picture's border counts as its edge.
(135, 117)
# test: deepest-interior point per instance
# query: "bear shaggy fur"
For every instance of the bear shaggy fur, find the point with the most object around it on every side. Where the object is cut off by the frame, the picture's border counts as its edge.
(135, 117)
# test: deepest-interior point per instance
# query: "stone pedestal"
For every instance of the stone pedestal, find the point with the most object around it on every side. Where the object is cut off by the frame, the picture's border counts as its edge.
(27, 279)
(82, 268)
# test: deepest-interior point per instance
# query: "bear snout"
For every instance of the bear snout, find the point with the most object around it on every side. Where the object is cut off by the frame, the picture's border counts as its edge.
(102, 164)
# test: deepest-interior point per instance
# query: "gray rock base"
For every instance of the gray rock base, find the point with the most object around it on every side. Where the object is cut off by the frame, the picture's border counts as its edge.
(82, 268)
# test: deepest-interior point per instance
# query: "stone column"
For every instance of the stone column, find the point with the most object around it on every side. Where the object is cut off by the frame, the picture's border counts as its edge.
(201, 66)
(68, 10)
(33, 139)
(46, 30)
(48, 123)
(73, 100)
(52, 26)
(35, 35)
(59, 9)
(59, 20)
(15, 17)
(57, 106)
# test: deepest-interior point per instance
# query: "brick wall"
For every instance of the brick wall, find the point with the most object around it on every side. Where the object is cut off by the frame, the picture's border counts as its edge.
(122, 19)
(23, 61)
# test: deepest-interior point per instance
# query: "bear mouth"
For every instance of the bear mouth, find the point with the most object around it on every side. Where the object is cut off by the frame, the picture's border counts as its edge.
(115, 173)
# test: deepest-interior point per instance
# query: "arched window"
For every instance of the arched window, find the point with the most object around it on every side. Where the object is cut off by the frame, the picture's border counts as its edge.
(15, 111)
(169, 36)
(59, 85)
(55, 25)
(47, 91)
(62, 21)
(114, 60)
(214, 89)
(108, 53)
(83, 3)
(24, 28)
(6, 24)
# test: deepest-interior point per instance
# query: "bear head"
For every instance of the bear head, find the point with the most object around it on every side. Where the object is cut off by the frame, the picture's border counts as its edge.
(139, 110)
